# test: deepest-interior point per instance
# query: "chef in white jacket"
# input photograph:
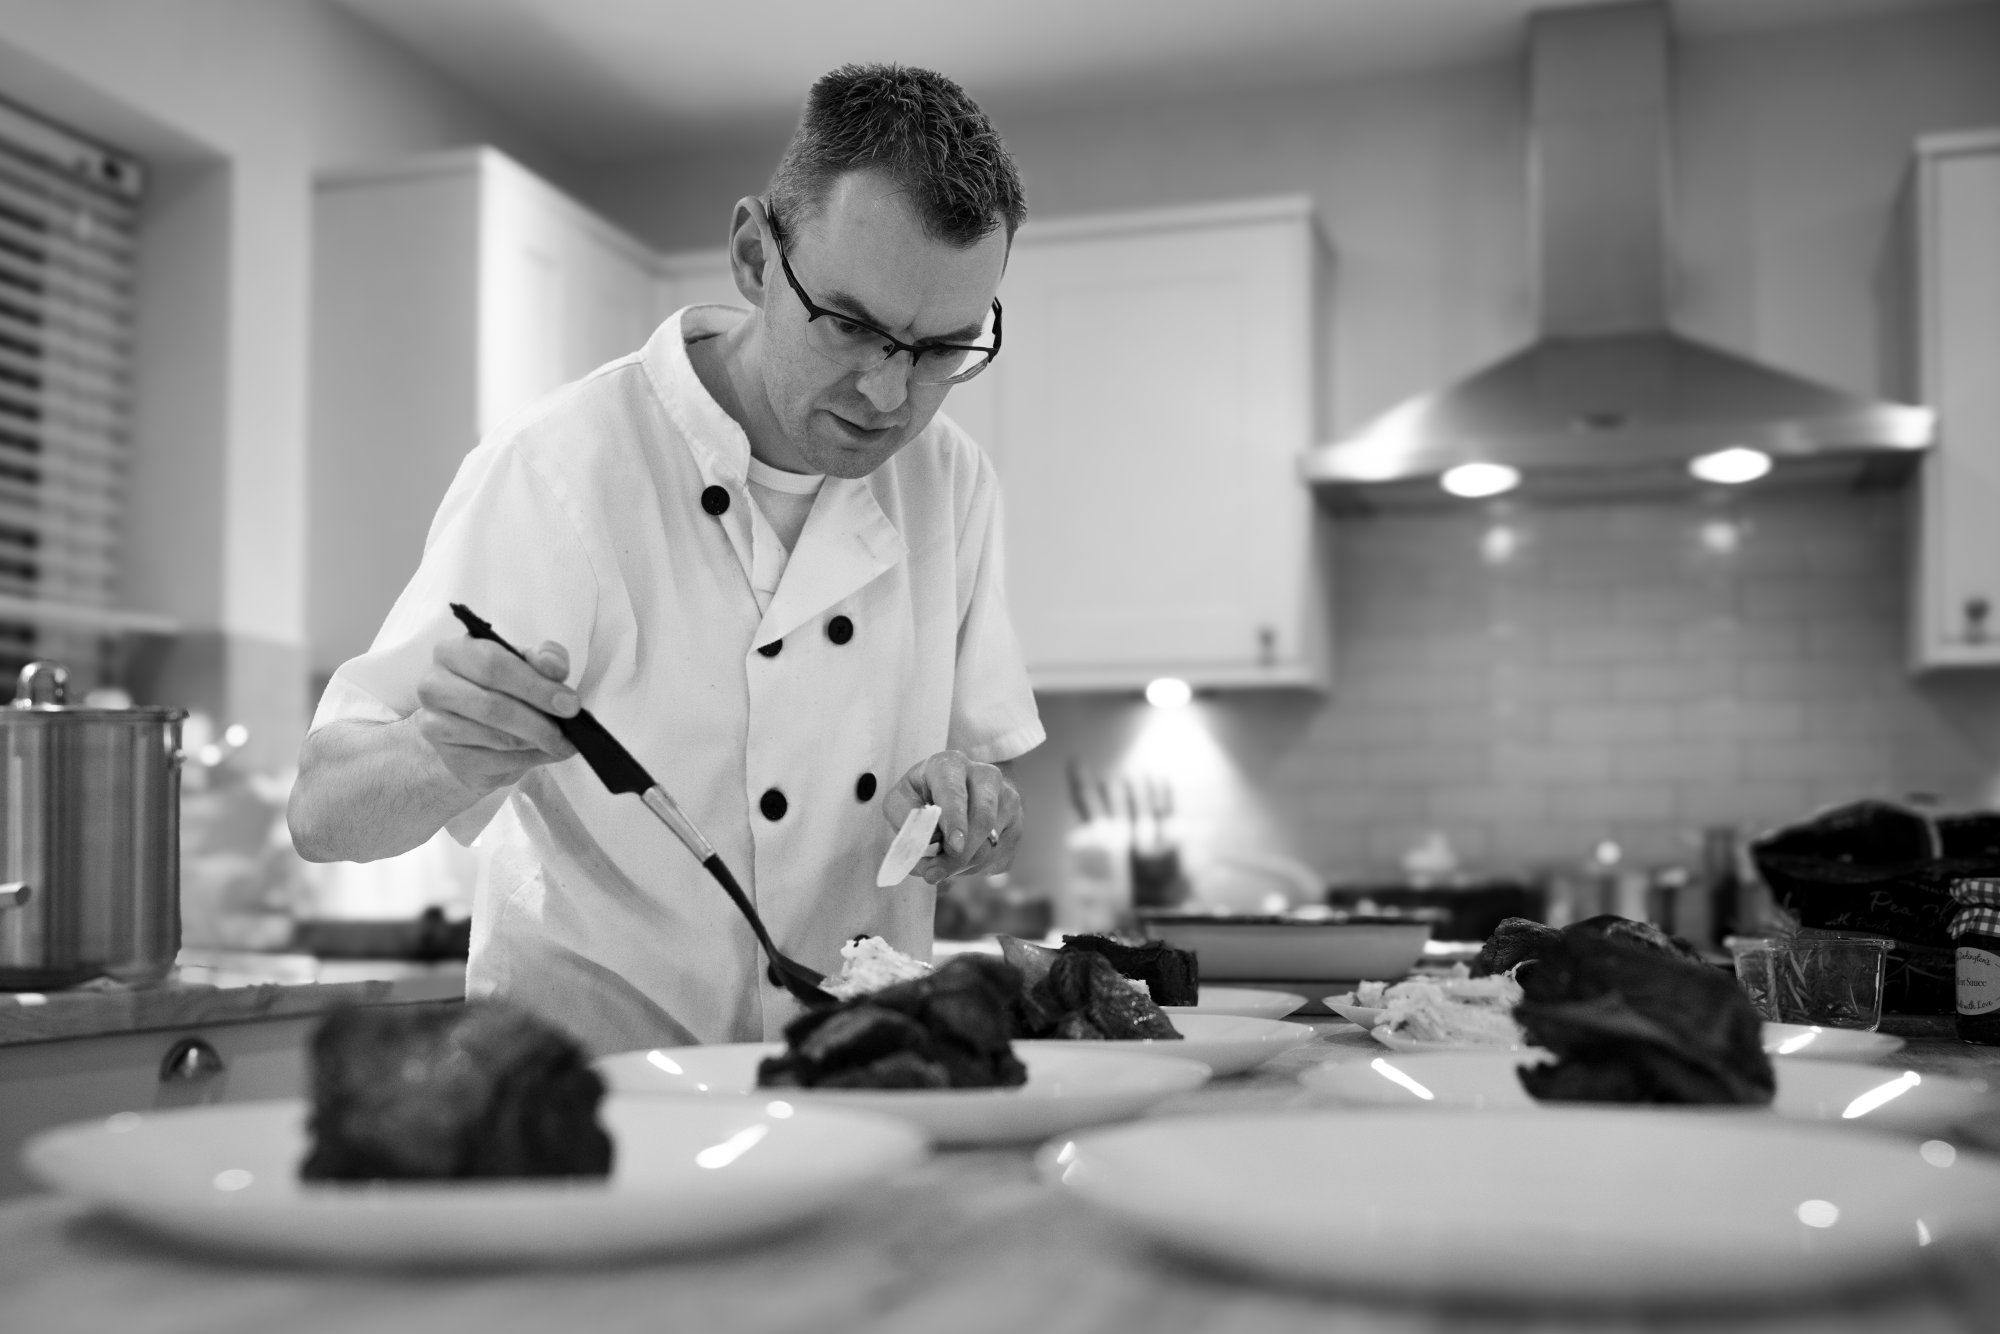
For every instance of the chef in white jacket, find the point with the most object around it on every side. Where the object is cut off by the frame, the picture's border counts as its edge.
(759, 554)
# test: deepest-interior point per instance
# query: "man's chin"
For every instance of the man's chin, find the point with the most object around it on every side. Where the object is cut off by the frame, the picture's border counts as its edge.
(842, 458)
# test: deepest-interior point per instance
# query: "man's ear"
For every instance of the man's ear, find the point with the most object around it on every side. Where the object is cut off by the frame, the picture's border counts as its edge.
(750, 249)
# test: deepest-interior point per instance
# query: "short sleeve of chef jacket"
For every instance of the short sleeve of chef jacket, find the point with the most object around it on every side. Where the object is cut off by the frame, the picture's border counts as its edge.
(506, 544)
(513, 541)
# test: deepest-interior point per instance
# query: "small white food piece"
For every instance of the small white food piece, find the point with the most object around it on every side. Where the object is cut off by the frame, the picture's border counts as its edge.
(870, 963)
(1456, 1008)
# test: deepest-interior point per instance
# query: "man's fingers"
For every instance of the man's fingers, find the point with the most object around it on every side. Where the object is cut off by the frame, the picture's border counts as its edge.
(945, 779)
(451, 729)
(551, 660)
(488, 665)
(982, 816)
(443, 692)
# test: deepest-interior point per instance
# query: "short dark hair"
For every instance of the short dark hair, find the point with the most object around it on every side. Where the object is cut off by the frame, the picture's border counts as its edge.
(914, 126)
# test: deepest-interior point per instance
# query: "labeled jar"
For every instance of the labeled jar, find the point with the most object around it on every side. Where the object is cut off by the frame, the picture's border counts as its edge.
(1975, 933)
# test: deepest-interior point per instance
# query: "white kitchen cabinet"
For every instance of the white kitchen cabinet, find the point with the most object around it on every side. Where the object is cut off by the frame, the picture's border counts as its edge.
(1956, 223)
(45, 1084)
(449, 291)
(1147, 414)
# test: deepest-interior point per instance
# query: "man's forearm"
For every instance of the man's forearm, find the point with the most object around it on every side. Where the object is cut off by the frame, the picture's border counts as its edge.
(370, 790)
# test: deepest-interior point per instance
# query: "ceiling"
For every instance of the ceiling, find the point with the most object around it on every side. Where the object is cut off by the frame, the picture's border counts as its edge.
(607, 79)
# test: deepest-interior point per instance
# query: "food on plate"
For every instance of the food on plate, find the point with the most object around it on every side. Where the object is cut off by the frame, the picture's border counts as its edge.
(946, 1029)
(1633, 1024)
(1172, 975)
(1083, 997)
(1517, 940)
(870, 963)
(482, 1090)
(1456, 1008)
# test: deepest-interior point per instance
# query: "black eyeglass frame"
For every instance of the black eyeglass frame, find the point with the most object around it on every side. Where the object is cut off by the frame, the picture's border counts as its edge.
(815, 311)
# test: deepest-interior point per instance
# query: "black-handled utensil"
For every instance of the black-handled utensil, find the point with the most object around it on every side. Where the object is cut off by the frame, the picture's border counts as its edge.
(622, 774)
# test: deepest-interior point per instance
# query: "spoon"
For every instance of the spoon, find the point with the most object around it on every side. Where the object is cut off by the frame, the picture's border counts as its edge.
(622, 774)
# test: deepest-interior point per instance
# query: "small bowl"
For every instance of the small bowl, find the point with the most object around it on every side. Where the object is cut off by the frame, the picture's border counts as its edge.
(1247, 948)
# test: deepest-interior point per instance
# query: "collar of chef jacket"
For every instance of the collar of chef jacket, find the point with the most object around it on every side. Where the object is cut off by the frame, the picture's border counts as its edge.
(847, 540)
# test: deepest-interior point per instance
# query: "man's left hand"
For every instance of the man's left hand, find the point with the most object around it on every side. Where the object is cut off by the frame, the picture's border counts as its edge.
(980, 814)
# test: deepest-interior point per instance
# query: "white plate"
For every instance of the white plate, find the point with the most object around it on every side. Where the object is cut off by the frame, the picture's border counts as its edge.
(687, 1174)
(1779, 1039)
(1065, 1089)
(1343, 1005)
(1806, 1040)
(1576, 1206)
(1838, 1091)
(1397, 1042)
(1249, 1002)
(1226, 1044)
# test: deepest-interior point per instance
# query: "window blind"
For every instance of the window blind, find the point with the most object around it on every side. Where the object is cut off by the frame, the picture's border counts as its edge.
(68, 240)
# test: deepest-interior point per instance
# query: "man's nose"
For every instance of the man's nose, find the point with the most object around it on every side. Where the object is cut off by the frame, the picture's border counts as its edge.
(887, 383)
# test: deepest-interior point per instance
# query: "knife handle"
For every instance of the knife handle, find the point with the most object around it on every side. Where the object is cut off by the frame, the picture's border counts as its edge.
(480, 628)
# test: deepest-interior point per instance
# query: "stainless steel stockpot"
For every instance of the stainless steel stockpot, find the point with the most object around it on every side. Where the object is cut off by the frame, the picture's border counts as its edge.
(90, 842)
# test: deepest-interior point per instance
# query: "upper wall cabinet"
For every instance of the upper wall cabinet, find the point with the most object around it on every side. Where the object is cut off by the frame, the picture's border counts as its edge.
(1147, 414)
(1956, 224)
(448, 292)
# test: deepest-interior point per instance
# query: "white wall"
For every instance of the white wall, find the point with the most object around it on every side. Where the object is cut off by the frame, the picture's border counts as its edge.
(242, 101)
(1791, 146)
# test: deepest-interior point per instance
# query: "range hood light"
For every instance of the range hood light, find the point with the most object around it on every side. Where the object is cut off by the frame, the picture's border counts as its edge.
(1169, 692)
(1608, 395)
(1731, 467)
(1475, 481)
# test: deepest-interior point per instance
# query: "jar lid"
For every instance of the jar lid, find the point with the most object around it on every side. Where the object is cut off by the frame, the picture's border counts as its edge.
(1978, 891)
(42, 690)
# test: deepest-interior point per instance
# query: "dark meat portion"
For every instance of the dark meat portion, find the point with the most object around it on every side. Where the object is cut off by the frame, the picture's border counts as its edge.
(1517, 940)
(480, 1090)
(1172, 975)
(1629, 1024)
(948, 1029)
(1083, 996)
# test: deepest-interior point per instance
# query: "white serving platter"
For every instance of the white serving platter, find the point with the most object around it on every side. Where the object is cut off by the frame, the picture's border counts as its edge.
(1846, 1093)
(1226, 1044)
(1069, 1085)
(1248, 1002)
(1571, 1207)
(1802, 1040)
(1808, 1041)
(686, 1175)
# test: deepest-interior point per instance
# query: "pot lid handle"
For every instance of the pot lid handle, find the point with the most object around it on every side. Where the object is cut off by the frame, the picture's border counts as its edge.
(41, 682)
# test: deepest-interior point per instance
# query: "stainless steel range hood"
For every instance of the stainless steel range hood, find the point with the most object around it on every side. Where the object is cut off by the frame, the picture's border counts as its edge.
(1608, 390)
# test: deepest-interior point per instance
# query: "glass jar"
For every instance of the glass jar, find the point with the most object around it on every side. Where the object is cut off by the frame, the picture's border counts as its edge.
(1975, 932)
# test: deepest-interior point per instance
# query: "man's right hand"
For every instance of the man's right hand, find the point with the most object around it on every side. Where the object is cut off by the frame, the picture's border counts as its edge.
(485, 712)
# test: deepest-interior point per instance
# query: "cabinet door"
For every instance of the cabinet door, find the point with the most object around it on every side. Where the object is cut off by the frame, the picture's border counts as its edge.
(1146, 416)
(1960, 591)
(560, 293)
(45, 1084)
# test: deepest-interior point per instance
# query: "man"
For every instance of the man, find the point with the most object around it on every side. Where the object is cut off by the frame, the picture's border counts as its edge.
(755, 551)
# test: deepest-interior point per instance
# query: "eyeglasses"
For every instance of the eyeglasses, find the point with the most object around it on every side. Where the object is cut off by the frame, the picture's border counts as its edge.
(859, 345)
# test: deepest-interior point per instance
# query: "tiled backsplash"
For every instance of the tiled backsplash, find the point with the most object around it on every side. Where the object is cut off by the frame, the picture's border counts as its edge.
(1530, 680)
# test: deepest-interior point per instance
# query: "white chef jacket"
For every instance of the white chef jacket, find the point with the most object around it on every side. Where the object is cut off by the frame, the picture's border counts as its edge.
(591, 520)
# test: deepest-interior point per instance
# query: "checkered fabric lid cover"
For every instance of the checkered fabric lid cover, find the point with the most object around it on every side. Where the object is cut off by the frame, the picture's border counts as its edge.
(1979, 908)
